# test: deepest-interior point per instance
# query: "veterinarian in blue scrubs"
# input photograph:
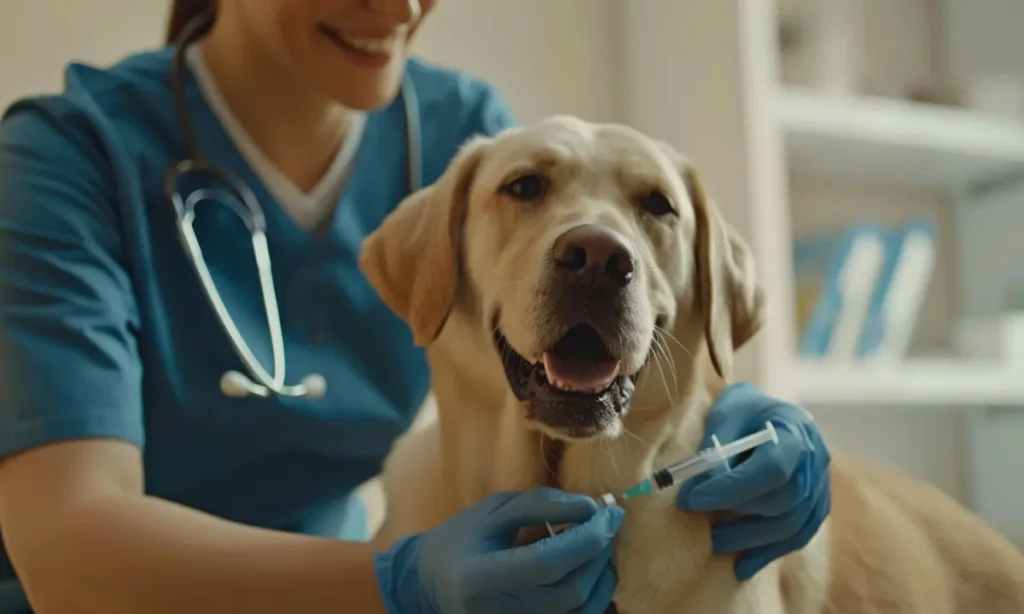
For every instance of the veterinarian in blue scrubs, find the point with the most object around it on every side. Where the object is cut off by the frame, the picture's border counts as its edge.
(133, 479)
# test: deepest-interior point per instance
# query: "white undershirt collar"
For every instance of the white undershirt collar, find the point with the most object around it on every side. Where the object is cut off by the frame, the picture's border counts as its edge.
(308, 209)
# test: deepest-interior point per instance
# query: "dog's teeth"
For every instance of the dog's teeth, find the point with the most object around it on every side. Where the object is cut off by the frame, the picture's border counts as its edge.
(566, 386)
(545, 368)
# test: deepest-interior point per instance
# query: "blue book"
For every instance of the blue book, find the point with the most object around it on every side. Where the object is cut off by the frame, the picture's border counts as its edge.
(896, 301)
(835, 277)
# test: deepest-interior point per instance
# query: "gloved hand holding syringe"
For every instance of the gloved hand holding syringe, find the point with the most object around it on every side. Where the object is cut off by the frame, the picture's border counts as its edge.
(705, 460)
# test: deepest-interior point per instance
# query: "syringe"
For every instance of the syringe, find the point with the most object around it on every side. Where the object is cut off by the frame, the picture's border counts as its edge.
(703, 461)
(605, 500)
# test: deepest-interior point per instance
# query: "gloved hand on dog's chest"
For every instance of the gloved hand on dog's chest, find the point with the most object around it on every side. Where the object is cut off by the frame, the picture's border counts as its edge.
(783, 491)
(470, 564)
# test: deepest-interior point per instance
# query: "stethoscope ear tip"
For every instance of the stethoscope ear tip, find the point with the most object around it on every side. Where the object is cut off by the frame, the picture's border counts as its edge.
(315, 385)
(235, 385)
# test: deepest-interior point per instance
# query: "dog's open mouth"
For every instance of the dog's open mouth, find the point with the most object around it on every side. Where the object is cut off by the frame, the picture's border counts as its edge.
(577, 389)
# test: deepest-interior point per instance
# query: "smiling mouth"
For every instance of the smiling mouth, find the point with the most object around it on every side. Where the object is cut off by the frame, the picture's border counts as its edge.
(379, 48)
(577, 389)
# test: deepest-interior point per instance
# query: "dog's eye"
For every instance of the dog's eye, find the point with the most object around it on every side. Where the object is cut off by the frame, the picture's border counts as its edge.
(656, 203)
(527, 187)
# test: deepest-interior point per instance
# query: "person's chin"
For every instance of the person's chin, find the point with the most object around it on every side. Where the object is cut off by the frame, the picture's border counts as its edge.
(368, 92)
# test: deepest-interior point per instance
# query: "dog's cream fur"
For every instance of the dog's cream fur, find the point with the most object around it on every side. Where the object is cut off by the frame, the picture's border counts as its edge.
(456, 253)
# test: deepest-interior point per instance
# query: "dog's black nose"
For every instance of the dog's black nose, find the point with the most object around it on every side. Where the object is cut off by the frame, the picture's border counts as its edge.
(594, 257)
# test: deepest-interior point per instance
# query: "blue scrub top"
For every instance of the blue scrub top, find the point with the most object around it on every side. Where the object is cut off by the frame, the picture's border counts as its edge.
(105, 330)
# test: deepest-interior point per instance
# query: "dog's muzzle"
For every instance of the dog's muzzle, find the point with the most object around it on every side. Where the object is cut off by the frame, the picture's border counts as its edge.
(578, 388)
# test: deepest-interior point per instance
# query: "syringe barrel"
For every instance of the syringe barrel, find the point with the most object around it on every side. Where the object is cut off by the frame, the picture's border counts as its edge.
(692, 466)
(749, 442)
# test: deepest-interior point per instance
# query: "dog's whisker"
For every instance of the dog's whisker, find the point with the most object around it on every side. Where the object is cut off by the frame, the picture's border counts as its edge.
(662, 337)
(664, 382)
(668, 354)
(647, 407)
(677, 342)
(635, 436)
(663, 354)
(671, 365)
(544, 458)
(611, 455)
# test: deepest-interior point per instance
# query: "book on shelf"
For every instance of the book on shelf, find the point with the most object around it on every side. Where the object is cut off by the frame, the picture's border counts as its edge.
(860, 290)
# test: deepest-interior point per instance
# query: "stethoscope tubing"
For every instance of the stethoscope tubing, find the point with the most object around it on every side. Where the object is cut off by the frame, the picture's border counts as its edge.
(242, 201)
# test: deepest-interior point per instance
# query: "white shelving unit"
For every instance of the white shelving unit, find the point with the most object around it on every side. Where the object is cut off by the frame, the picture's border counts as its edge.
(896, 141)
(952, 422)
(920, 384)
(909, 144)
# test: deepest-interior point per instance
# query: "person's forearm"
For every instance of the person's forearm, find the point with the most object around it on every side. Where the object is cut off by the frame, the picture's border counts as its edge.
(140, 554)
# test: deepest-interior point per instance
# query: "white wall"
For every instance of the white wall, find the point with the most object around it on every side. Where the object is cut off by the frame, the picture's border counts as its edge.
(545, 56)
(984, 36)
(94, 30)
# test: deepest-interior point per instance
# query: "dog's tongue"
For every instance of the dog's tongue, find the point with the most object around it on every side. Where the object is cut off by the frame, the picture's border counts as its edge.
(579, 375)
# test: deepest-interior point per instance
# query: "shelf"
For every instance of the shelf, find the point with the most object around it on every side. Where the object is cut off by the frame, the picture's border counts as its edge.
(925, 383)
(878, 139)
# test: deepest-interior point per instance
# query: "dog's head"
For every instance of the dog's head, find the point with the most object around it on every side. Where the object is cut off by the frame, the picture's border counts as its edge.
(569, 246)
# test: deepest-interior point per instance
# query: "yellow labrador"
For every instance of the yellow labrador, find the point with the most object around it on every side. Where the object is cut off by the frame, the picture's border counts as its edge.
(581, 300)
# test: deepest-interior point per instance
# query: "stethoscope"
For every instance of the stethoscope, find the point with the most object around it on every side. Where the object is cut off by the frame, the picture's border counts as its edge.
(237, 196)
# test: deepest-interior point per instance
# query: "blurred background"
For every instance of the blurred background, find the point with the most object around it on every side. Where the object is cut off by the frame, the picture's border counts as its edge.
(872, 152)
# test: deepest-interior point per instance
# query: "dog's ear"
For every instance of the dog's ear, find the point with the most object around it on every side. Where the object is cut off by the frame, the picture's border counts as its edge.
(731, 300)
(412, 259)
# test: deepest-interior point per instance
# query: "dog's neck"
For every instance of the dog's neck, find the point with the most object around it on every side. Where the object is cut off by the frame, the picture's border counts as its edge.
(488, 447)
(553, 451)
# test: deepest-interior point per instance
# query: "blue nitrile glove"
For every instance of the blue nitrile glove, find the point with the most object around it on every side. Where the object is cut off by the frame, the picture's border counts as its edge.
(783, 491)
(468, 564)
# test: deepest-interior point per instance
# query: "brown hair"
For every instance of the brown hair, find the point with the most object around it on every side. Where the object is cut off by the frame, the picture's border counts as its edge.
(184, 11)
